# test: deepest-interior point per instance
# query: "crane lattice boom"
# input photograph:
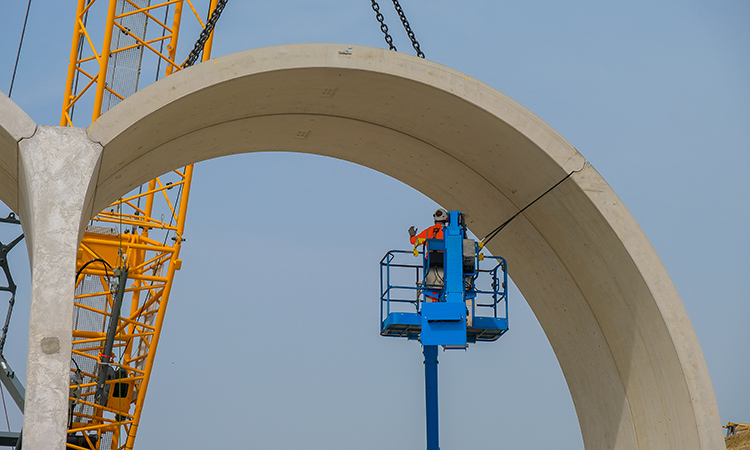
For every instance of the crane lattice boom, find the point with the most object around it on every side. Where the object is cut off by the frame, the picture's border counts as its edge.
(130, 252)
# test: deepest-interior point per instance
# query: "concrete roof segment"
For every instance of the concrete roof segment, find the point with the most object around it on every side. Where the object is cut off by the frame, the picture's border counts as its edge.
(325, 90)
(620, 332)
(15, 125)
(605, 301)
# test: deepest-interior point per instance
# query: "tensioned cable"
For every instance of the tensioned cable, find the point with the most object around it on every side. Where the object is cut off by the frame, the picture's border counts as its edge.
(172, 216)
(158, 69)
(161, 47)
(191, 59)
(494, 232)
(20, 44)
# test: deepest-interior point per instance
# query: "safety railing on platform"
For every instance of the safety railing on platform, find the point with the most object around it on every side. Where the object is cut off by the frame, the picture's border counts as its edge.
(402, 284)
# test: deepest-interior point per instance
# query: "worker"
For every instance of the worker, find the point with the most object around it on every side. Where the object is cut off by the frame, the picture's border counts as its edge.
(433, 278)
(434, 232)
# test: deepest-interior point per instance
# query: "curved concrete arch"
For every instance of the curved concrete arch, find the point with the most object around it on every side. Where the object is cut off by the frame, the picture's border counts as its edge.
(619, 330)
(15, 125)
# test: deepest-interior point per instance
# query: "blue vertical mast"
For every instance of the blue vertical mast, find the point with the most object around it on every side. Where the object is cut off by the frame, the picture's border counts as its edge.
(431, 395)
(453, 236)
(450, 314)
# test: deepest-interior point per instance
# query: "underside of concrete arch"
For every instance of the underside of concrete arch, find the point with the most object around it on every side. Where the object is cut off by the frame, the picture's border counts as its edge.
(620, 332)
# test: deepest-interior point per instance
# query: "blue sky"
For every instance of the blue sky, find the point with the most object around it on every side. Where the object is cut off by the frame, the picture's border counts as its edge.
(271, 338)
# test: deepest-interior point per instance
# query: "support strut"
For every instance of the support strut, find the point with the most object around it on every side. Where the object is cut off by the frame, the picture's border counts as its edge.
(431, 394)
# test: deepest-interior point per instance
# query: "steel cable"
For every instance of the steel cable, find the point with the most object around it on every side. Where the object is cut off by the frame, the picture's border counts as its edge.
(494, 232)
(20, 44)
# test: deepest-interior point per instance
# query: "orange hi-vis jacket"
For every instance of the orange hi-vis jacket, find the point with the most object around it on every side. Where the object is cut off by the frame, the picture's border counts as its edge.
(434, 232)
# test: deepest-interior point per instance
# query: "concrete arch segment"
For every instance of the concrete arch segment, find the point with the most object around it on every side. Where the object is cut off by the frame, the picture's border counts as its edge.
(619, 330)
(605, 301)
(15, 125)
(47, 176)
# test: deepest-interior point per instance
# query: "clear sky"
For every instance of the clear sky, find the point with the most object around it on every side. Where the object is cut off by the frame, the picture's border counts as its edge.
(271, 339)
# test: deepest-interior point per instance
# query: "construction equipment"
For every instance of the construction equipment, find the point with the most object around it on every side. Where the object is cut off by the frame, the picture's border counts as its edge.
(130, 252)
(736, 428)
(737, 436)
(7, 375)
(459, 296)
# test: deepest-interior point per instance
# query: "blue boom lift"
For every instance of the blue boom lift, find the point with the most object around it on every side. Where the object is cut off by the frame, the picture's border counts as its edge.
(458, 297)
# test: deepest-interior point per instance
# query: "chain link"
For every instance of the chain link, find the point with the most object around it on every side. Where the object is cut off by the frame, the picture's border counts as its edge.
(383, 26)
(205, 34)
(409, 32)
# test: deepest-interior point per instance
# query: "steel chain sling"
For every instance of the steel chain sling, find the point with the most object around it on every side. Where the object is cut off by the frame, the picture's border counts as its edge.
(201, 42)
(383, 26)
(408, 29)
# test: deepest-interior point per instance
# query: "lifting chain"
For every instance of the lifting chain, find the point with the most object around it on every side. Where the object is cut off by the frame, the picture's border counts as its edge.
(409, 32)
(407, 27)
(205, 34)
(383, 26)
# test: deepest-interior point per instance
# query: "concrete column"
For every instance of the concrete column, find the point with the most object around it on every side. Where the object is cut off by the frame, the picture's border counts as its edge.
(57, 173)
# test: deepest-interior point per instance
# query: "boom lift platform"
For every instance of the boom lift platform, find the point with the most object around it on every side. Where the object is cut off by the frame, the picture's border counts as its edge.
(455, 297)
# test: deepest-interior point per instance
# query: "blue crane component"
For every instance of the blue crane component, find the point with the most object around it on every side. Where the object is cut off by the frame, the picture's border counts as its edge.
(459, 296)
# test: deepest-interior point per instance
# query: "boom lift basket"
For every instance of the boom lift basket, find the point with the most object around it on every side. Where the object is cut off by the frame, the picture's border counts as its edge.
(408, 300)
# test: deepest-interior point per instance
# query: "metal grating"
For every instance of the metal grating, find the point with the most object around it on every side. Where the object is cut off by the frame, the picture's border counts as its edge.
(87, 317)
(124, 68)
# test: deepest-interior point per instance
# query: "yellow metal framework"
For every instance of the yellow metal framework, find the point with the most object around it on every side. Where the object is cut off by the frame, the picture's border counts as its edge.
(89, 62)
(141, 233)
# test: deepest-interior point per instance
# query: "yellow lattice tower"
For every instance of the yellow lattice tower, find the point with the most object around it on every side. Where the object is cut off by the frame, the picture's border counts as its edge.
(140, 235)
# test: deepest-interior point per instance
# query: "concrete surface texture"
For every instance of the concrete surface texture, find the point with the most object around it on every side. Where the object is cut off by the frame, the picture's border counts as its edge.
(56, 170)
(15, 125)
(619, 330)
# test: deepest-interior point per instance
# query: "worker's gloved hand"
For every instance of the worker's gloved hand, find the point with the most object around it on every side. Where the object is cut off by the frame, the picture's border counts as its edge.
(412, 231)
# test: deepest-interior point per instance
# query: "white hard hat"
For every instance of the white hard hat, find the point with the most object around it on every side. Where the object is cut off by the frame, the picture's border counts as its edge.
(440, 215)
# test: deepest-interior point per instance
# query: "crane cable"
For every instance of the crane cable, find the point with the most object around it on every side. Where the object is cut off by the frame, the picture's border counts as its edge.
(383, 26)
(404, 22)
(20, 44)
(494, 232)
(205, 34)
(407, 27)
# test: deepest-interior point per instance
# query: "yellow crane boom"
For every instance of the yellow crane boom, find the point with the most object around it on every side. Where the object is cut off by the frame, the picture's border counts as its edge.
(130, 252)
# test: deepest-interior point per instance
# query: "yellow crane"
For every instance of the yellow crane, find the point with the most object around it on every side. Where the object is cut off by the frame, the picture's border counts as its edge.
(130, 252)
